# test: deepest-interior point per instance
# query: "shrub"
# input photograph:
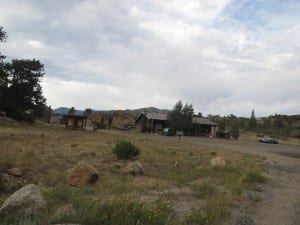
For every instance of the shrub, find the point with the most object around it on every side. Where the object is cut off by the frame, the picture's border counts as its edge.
(125, 150)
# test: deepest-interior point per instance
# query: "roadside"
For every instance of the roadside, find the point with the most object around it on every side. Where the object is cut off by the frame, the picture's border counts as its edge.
(280, 201)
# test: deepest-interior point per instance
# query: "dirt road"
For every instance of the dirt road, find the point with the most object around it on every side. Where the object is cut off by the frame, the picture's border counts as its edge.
(280, 204)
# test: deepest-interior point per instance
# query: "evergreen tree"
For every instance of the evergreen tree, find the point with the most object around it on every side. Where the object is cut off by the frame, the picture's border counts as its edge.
(20, 89)
(252, 121)
(181, 117)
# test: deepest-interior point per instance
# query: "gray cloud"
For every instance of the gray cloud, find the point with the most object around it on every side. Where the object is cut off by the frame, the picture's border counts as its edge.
(127, 54)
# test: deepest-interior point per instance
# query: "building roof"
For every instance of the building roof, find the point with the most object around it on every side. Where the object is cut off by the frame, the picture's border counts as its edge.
(163, 117)
(153, 116)
(203, 121)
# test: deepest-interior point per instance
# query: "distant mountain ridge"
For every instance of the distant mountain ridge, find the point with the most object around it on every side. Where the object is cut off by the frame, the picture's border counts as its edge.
(65, 110)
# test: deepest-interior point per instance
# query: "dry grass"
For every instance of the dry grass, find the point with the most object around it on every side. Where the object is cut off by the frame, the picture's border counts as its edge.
(45, 153)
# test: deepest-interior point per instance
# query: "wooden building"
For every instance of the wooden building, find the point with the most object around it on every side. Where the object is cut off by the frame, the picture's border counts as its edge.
(76, 122)
(151, 122)
(204, 127)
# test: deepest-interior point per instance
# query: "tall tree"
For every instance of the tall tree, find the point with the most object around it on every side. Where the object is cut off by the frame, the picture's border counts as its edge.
(3, 34)
(181, 117)
(252, 121)
(3, 73)
(22, 90)
(88, 112)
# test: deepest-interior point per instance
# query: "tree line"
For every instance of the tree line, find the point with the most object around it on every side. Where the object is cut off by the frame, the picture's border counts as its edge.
(21, 94)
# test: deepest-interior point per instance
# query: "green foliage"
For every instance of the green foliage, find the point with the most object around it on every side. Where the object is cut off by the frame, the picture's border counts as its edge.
(125, 150)
(20, 88)
(2, 35)
(255, 176)
(72, 111)
(88, 112)
(181, 117)
(204, 190)
(198, 218)
(118, 212)
(235, 132)
(252, 121)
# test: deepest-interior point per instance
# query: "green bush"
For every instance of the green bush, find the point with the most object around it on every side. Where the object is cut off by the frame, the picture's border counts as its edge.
(125, 150)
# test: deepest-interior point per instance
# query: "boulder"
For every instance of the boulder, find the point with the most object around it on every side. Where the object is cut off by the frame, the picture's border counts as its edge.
(16, 172)
(218, 162)
(83, 174)
(134, 168)
(26, 202)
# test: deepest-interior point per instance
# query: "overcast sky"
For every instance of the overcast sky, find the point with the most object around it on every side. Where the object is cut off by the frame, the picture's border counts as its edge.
(222, 56)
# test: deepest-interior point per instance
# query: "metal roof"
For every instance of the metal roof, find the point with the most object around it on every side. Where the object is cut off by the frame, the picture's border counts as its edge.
(163, 117)
(154, 116)
(203, 121)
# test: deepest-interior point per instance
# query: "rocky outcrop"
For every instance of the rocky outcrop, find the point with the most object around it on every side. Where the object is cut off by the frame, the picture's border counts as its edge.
(218, 162)
(122, 120)
(83, 174)
(134, 168)
(26, 202)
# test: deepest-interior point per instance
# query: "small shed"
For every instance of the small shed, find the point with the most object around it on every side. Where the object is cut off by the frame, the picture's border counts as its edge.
(151, 122)
(76, 122)
(203, 126)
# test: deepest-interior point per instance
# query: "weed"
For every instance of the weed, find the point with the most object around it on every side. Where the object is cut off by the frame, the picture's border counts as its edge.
(204, 190)
(198, 218)
(59, 194)
(255, 176)
(118, 212)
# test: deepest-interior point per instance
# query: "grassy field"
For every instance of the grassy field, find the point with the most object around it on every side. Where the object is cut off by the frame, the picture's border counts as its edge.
(190, 193)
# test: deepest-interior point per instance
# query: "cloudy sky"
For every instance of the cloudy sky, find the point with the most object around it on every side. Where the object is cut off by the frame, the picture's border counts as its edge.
(223, 56)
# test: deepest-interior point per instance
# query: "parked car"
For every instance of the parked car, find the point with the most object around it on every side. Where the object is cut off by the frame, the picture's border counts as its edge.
(168, 132)
(268, 140)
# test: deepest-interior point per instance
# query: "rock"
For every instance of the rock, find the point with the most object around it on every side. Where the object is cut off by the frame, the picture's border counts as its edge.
(83, 174)
(62, 211)
(218, 162)
(2, 114)
(26, 202)
(16, 172)
(134, 168)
